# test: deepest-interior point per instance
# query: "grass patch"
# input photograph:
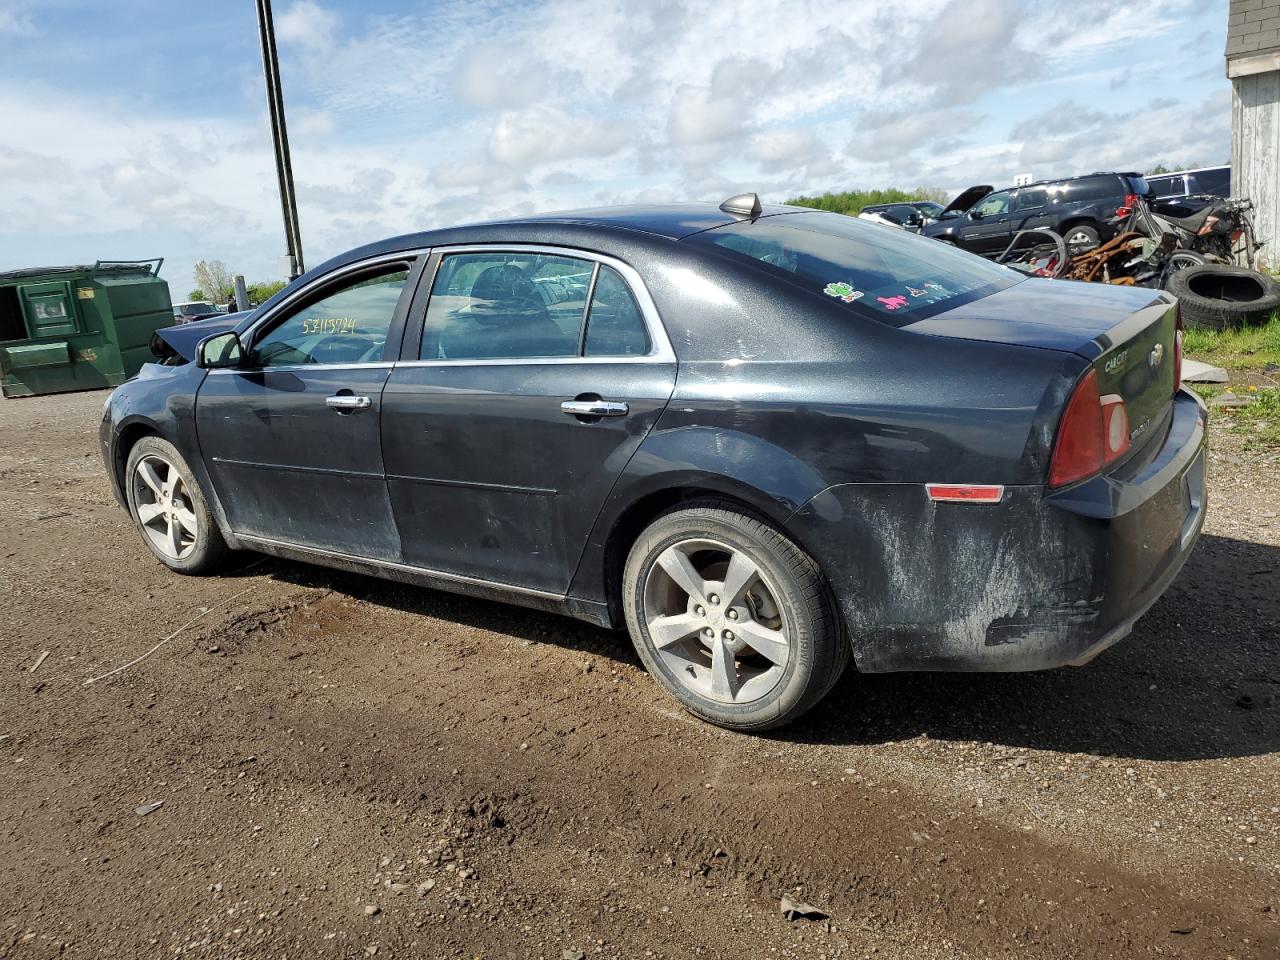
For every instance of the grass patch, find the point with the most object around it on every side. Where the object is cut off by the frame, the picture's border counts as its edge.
(1259, 422)
(1244, 348)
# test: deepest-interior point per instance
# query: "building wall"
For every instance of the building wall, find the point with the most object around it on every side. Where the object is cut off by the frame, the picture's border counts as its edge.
(1255, 154)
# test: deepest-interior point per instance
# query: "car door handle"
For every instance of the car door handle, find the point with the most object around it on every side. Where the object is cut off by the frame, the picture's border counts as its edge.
(345, 403)
(594, 408)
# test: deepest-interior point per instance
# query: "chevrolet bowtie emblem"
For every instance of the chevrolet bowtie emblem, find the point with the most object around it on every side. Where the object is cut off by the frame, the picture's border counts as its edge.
(1156, 355)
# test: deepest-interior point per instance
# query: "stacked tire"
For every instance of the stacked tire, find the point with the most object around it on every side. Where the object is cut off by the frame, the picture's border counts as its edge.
(1218, 297)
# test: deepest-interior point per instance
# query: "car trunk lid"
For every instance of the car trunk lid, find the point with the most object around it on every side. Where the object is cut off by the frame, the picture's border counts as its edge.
(1126, 333)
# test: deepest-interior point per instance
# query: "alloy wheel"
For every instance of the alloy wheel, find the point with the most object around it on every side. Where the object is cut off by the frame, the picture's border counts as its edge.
(164, 507)
(715, 622)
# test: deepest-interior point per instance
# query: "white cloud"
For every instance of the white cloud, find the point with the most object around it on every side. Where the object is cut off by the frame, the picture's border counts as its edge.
(540, 135)
(468, 111)
(307, 24)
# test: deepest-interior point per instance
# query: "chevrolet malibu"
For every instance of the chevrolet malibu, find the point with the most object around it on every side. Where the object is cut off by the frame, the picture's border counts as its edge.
(765, 440)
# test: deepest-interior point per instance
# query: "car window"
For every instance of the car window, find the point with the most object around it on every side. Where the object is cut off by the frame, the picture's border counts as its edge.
(1094, 188)
(994, 204)
(489, 306)
(615, 326)
(1165, 186)
(1216, 182)
(1030, 199)
(891, 275)
(348, 325)
(1138, 185)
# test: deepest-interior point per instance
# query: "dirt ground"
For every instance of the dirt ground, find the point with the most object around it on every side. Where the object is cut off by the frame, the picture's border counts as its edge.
(350, 768)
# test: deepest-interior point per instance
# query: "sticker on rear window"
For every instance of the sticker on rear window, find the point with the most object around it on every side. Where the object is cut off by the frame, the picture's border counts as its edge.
(843, 291)
(893, 303)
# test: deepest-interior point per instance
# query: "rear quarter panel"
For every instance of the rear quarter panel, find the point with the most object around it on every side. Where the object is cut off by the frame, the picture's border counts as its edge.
(754, 416)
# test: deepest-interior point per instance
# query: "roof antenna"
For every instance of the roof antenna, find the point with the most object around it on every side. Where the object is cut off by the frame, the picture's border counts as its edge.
(743, 205)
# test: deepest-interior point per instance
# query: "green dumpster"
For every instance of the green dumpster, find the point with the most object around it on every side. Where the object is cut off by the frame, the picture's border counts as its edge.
(78, 328)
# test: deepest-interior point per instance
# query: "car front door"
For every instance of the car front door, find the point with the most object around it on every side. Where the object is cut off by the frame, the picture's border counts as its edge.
(1030, 208)
(988, 228)
(292, 437)
(526, 385)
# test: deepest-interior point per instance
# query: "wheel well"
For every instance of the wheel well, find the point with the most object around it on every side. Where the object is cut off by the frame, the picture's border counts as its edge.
(129, 436)
(1079, 222)
(633, 521)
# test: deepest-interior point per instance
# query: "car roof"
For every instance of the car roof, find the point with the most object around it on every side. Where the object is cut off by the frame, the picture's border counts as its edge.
(611, 226)
(1178, 173)
(674, 221)
(1082, 176)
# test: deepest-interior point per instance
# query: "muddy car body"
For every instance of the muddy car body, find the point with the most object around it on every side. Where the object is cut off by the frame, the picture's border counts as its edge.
(800, 439)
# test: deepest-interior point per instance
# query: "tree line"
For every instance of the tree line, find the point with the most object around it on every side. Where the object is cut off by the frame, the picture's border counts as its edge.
(216, 284)
(851, 202)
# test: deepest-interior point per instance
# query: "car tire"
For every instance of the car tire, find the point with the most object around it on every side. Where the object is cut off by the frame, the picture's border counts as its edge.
(1079, 237)
(1216, 296)
(178, 527)
(706, 567)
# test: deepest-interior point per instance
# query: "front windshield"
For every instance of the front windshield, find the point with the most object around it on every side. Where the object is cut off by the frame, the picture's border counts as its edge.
(197, 309)
(894, 276)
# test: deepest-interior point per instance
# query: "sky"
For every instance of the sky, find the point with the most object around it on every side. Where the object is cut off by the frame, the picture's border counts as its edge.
(138, 128)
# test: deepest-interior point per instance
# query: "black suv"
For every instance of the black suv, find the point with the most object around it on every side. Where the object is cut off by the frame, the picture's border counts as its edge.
(1079, 208)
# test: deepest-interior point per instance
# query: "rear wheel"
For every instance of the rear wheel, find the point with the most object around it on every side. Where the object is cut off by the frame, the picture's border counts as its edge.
(170, 510)
(1080, 237)
(731, 617)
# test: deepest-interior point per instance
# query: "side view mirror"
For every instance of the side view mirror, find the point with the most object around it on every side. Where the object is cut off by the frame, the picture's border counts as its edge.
(220, 350)
(975, 214)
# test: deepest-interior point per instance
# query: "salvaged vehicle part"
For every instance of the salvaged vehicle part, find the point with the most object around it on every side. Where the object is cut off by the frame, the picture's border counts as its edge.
(1217, 296)
(78, 328)
(1040, 253)
(763, 438)
(1079, 209)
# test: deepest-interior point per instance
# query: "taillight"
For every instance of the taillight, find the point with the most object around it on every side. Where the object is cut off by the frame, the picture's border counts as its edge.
(1177, 349)
(1115, 427)
(1130, 200)
(1093, 432)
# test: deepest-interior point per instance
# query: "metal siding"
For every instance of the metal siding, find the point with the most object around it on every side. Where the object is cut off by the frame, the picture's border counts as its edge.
(1255, 153)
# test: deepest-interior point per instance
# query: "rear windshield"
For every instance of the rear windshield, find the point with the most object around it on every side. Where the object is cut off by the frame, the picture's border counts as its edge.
(894, 276)
(1139, 186)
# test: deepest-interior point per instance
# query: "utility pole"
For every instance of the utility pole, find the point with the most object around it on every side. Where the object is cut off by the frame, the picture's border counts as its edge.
(280, 137)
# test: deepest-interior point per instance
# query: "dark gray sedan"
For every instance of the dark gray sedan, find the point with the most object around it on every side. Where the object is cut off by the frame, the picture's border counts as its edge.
(765, 441)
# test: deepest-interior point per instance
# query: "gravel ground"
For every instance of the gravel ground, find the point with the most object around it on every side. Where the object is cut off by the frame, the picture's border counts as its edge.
(347, 767)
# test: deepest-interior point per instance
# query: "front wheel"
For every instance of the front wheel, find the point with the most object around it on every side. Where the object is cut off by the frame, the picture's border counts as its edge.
(731, 617)
(170, 510)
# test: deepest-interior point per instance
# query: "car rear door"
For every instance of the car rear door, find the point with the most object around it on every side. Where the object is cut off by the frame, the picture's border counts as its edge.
(528, 381)
(292, 438)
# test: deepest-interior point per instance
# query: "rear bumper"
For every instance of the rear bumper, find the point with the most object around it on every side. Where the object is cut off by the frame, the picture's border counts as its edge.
(1036, 581)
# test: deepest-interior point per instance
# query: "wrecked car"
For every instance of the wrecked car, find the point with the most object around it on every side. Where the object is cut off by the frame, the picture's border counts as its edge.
(767, 441)
(1080, 209)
